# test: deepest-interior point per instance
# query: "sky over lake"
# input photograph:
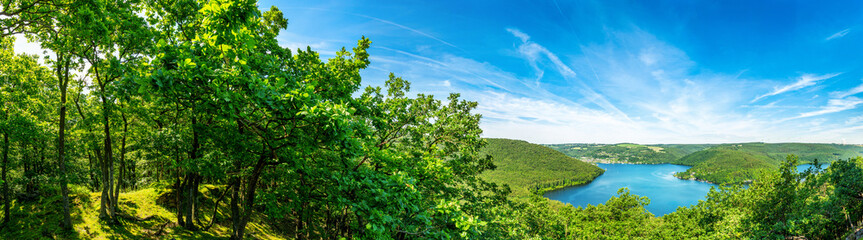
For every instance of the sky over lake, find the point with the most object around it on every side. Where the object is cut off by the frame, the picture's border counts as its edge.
(615, 71)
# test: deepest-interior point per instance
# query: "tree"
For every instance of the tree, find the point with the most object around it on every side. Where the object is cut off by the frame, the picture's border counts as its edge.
(112, 38)
(25, 97)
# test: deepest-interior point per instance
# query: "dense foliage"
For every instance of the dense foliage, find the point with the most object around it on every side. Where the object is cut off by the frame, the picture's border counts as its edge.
(187, 119)
(725, 165)
(781, 203)
(184, 94)
(528, 167)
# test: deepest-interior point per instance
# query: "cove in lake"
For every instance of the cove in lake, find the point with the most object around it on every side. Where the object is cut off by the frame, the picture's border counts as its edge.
(654, 181)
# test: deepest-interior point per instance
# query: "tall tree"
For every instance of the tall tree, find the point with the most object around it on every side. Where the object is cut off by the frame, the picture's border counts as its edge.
(112, 37)
(24, 98)
(63, 81)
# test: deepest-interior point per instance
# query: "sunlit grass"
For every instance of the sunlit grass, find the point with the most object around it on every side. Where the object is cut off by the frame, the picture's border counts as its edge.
(142, 217)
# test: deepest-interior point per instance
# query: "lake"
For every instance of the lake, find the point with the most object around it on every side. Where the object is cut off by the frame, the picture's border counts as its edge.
(655, 181)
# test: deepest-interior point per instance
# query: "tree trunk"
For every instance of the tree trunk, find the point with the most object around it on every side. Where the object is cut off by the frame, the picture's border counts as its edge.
(178, 189)
(61, 146)
(240, 217)
(108, 201)
(6, 195)
(193, 179)
(123, 181)
(236, 230)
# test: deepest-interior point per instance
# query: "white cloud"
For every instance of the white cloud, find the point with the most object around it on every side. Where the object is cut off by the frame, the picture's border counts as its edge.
(853, 91)
(838, 34)
(515, 32)
(854, 120)
(804, 81)
(534, 51)
(666, 96)
(446, 83)
(833, 106)
(648, 57)
(544, 121)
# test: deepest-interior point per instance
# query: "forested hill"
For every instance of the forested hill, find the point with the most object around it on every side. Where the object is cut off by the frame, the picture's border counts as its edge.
(729, 163)
(627, 152)
(807, 152)
(725, 165)
(525, 166)
(674, 153)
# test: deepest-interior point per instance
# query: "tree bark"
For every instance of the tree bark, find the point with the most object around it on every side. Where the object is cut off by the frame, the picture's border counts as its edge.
(194, 180)
(123, 181)
(241, 217)
(108, 201)
(5, 180)
(61, 145)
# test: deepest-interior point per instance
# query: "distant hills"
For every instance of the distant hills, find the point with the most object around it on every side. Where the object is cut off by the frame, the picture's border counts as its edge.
(527, 167)
(718, 163)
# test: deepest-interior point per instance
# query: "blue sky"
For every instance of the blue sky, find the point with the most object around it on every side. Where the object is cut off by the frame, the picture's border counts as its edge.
(615, 71)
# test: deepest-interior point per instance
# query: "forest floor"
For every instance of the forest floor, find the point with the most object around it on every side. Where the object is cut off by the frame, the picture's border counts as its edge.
(141, 217)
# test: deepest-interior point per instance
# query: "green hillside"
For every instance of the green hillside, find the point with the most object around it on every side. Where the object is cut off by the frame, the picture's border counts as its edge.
(525, 166)
(627, 152)
(806, 151)
(725, 165)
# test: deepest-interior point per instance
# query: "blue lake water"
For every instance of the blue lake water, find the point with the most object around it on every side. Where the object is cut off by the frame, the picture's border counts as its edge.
(655, 181)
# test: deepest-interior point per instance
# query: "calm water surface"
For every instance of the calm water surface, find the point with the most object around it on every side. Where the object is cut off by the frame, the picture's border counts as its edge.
(656, 182)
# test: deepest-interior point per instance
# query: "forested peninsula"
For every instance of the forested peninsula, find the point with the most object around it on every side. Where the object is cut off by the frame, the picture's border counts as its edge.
(188, 120)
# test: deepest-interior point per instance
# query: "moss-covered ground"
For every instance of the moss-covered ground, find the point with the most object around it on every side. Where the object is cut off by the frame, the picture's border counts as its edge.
(142, 216)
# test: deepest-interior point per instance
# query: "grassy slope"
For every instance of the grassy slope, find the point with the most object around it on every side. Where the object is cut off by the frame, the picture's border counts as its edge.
(145, 218)
(523, 165)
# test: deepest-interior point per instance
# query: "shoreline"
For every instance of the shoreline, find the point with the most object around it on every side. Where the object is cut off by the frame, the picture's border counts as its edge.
(541, 191)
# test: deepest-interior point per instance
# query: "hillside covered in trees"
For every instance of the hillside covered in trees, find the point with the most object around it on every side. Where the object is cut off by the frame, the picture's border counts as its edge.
(627, 152)
(186, 120)
(527, 167)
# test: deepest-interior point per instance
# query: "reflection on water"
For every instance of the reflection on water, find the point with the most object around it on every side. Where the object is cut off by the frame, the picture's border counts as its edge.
(656, 182)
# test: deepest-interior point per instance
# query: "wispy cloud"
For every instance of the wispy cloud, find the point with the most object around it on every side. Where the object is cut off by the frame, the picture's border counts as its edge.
(854, 120)
(850, 92)
(838, 34)
(833, 106)
(409, 29)
(424, 34)
(534, 51)
(463, 69)
(803, 81)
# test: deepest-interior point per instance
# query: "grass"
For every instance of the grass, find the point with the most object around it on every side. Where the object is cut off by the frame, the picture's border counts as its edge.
(145, 218)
